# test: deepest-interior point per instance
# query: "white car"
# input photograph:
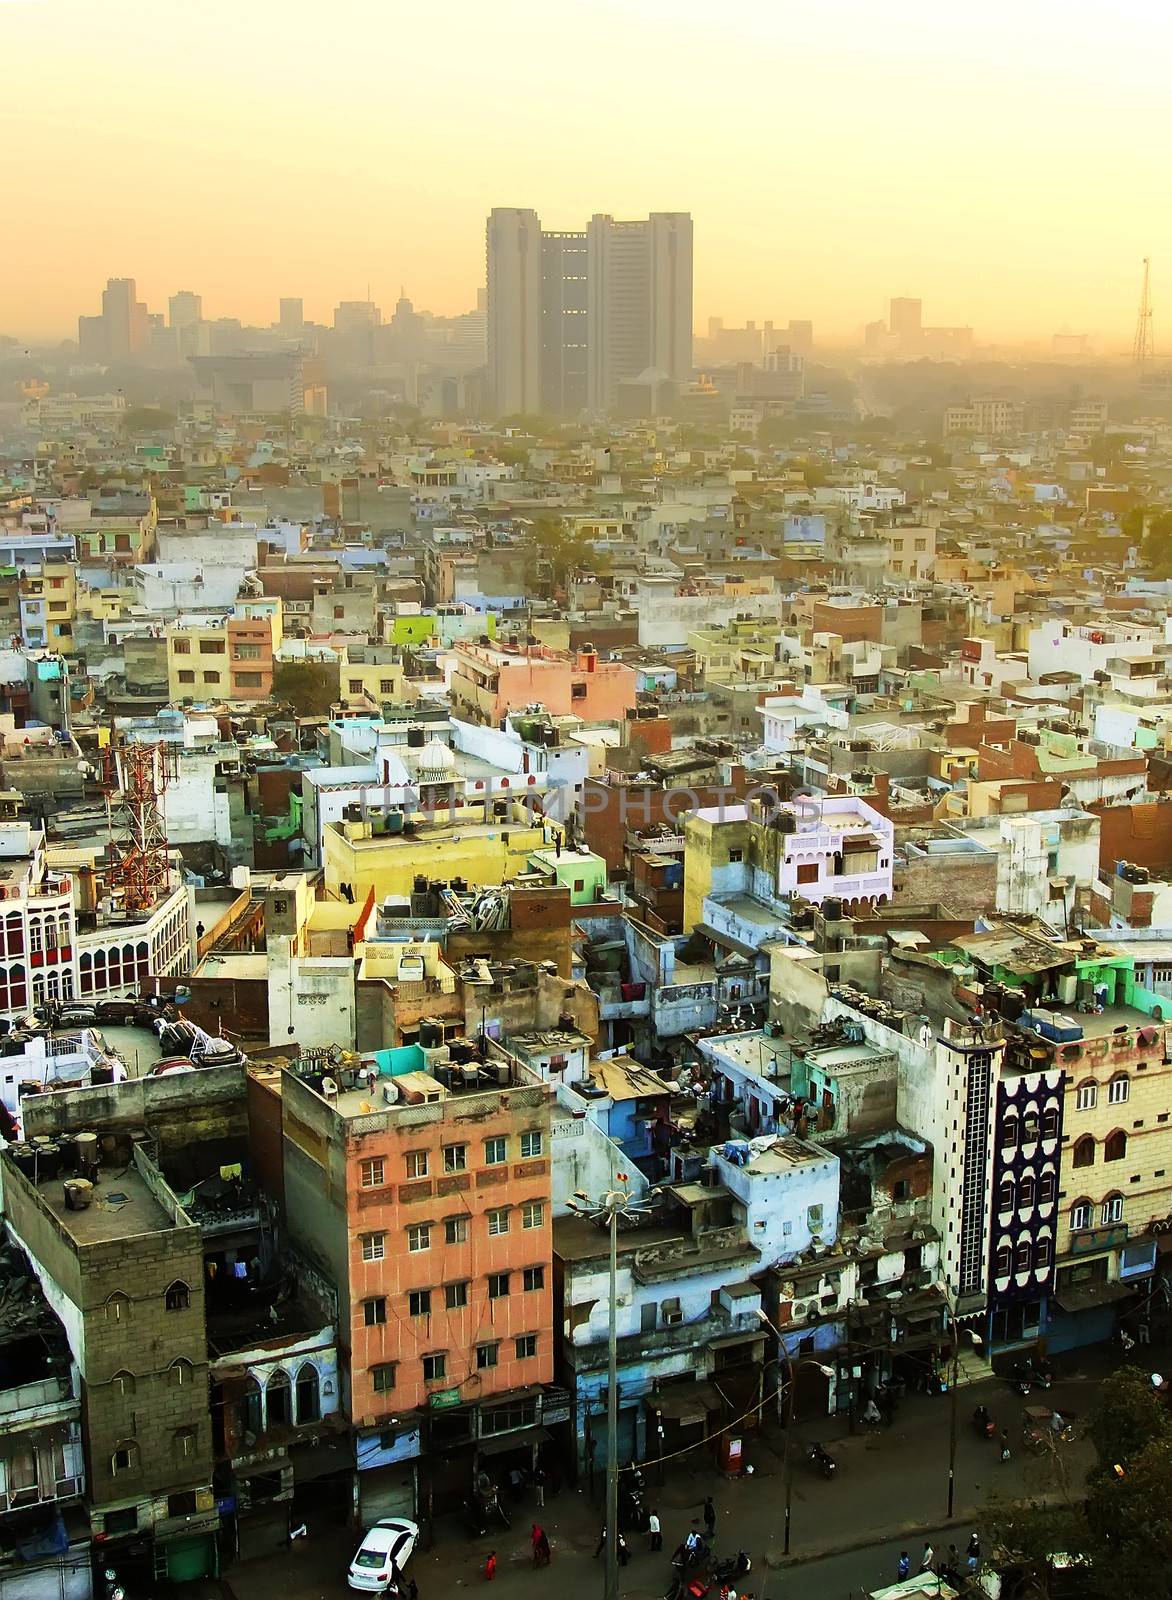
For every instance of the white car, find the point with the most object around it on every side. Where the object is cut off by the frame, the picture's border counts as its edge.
(385, 1551)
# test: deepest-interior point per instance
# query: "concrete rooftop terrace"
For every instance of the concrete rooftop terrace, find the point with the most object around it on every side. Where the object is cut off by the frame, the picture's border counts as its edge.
(123, 1208)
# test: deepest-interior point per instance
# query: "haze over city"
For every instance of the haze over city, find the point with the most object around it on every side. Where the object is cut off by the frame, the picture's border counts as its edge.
(1004, 164)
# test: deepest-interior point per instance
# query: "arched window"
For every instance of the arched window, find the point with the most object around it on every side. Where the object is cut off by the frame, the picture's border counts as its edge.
(87, 972)
(1025, 1255)
(1003, 1265)
(1050, 1123)
(17, 992)
(123, 1383)
(278, 1401)
(1025, 1192)
(180, 1372)
(1005, 1195)
(1080, 1214)
(124, 1457)
(249, 1414)
(1009, 1134)
(1119, 1089)
(185, 1440)
(1029, 1127)
(1084, 1151)
(178, 1296)
(1115, 1145)
(117, 1307)
(1111, 1209)
(1042, 1252)
(1086, 1096)
(308, 1399)
(1047, 1189)
(143, 959)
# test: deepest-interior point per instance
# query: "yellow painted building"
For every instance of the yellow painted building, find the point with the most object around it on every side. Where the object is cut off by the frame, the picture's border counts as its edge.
(370, 672)
(479, 852)
(59, 585)
(197, 661)
(714, 848)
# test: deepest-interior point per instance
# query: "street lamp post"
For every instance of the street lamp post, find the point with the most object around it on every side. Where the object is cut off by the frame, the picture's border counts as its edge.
(609, 1207)
(791, 1369)
(952, 1410)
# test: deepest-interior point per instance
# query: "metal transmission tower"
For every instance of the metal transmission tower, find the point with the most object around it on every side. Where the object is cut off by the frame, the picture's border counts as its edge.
(139, 870)
(1144, 348)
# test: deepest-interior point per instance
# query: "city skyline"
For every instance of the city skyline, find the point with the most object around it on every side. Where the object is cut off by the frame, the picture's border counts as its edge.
(865, 171)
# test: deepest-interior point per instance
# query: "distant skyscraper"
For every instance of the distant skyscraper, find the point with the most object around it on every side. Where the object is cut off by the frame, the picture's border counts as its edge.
(125, 317)
(185, 309)
(905, 319)
(799, 336)
(292, 314)
(513, 258)
(573, 315)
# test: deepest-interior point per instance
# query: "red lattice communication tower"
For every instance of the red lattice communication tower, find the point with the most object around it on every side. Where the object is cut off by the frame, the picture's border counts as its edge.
(139, 873)
(1143, 348)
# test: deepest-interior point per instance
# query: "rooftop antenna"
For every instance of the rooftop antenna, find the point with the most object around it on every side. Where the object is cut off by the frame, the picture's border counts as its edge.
(1144, 348)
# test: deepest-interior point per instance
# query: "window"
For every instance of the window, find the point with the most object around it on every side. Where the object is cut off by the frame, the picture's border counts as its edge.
(371, 1173)
(498, 1285)
(386, 686)
(533, 1278)
(374, 1246)
(487, 1355)
(184, 1440)
(532, 1214)
(1003, 1265)
(526, 1346)
(735, 855)
(123, 1383)
(1080, 1214)
(1025, 1192)
(814, 1218)
(187, 677)
(278, 1401)
(1086, 1096)
(374, 1310)
(435, 1368)
(1115, 1146)
(1005, 1195)
(1084, 1151)
(1042, 1253)
(383, 1377)
(339, 613)
(1025, 1255)
(355, 685)
(1029, 1128)
(416, 1161)
(455, 1157)
(1047, 1188)
(496, 1151)
(181, 647)
(211, 677)
(1111, 1209)
(117, 1307)
(455, 1230)
(455, 1296)
(419, 1237)
(1050, 1123)
(578, 691)
(807, 872)
(1009, 1134)
(211, 647)
(249, 1415)
(124, 1457)
(419, 1302)
(308, 1395)
(498, 1221)
(246, 652)
(178, 1296)
(1118, 1089)
(248, 680)
(531, 1144)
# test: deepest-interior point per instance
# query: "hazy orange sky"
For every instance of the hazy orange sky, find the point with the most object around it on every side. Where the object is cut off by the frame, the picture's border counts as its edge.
(1006, 162)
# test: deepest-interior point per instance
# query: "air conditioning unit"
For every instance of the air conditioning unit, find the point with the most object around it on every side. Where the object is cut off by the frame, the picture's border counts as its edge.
(672, 1318)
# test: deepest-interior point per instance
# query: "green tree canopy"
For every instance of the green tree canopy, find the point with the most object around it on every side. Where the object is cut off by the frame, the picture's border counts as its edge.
(310, 687)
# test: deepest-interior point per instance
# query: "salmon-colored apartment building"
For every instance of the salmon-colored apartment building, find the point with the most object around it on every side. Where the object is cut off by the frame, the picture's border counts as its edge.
(427, 1196)
(490, 680)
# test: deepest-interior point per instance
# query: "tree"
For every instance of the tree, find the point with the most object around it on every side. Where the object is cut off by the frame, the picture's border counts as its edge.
(566, 550)
(310, 687)
(148, 419)
(1157, 545)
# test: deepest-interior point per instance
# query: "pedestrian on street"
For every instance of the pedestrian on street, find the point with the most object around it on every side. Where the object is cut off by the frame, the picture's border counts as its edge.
(624, 1552)
(539, 1487)
(709, 1518)
(928, 1559)
(953, 1571)
(903, 1566)
(974, 1549)
(1005, 1450)
(541, 1551)
(490, 1567)
(601, 1542)
(654, 1533)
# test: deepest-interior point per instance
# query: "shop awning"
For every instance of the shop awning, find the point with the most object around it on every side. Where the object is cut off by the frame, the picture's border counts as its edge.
(688, 1406)
(1095, 1294)
(501, 1443)
(725, 1341)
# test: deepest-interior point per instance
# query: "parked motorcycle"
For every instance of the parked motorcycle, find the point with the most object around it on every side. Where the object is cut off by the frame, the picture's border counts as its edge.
(821, 1460)
(114, 1589)
(1022, 1377)
(732, 1567)
(985, 1427)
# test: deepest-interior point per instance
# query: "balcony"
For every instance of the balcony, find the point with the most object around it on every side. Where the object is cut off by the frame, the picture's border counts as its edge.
(1087, 1240)
(34, 1397)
